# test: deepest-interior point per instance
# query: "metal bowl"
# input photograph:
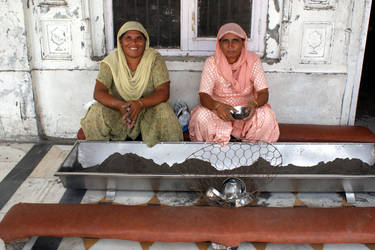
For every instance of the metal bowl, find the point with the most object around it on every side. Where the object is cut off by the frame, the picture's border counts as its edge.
(241, 112)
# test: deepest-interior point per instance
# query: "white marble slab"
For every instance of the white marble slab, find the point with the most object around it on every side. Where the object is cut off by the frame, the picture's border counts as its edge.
(364, 200)
(71, 243)
(121, 197)
(276, 199)
(321, 199)
(51, 161)
(111, 244)
(133, 197)
(275, 246)
(13, 152)
(5, 168)
(345, 247)
(29, 245)
(10, 155)
(173, 246)
(246, 246)
(2, 245)
(37, 190)
(178, 198)
(93, 196)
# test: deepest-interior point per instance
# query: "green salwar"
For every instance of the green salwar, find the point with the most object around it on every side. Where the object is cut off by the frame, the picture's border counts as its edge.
(157, 123)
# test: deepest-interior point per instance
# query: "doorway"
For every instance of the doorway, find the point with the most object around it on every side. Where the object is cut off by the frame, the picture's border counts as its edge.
(365, 114)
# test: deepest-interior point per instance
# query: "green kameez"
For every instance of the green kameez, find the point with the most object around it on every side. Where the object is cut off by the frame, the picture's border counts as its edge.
(158, 123)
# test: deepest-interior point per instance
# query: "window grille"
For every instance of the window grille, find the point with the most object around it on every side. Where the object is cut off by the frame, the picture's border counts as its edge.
(161, 18)
(184, 27)
(214, 13)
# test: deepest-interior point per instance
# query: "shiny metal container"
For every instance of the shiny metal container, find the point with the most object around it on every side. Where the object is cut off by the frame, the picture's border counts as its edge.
(89, 153)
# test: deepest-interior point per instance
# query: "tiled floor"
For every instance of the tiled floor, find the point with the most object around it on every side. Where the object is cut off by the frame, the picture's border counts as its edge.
(42, 186)
(10, 154)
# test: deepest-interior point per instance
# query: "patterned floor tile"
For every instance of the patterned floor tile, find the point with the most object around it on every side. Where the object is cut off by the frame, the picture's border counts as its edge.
(71, 243)
(146, 245)
(275, 246)
(10, 155)
(203, 245)
(29, 245)
(178, 198)
(173, 246)
(2, 245)
(364, 200)
(5, 168)
(246, 246)
(51, 162)
(37, 190)
(276, 199)
(93, 196)
(133, 197)
(345, 247)
(321, 199)
(13, 152)
(111, 244)
(259, 245)
(121, 197)
(89, 242)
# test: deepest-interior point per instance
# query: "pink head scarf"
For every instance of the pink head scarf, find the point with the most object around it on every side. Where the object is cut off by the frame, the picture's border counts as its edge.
(238, 73)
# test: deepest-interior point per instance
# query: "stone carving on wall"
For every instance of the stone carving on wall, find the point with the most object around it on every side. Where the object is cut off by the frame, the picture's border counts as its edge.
(56, 40)
(316, 43)
(53, 2)
(320, 4)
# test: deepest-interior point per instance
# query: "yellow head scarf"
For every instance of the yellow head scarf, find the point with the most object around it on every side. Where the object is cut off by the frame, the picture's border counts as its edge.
(131, 87)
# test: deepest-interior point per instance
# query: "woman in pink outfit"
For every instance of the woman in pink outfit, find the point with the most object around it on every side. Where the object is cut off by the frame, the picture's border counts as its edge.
(233, 76)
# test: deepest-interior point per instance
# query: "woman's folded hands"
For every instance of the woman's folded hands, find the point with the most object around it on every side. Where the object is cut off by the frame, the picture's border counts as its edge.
(130, 111)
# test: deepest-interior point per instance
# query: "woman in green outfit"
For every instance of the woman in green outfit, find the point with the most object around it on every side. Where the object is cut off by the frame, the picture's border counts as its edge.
(132, 93)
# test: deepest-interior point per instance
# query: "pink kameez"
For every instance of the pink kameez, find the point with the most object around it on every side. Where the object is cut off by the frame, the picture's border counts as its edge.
(205, 125)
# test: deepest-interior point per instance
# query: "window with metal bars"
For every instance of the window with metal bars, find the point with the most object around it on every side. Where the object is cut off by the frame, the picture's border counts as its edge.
(161, 18)
(214, 13)
(189, 27)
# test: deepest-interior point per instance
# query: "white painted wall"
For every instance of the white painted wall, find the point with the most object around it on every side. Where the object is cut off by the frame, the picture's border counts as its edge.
(313, 55)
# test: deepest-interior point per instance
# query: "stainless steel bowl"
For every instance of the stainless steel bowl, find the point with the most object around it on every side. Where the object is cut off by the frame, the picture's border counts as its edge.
(242, 112)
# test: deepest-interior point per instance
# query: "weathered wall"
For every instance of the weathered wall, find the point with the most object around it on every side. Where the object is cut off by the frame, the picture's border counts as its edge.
(17, 112)
(61, 102)
(312, 59)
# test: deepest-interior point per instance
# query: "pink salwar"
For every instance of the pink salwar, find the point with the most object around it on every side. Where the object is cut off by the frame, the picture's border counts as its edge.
(205, 125)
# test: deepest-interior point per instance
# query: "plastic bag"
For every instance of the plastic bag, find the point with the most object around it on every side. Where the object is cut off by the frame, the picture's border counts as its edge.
(181, 110)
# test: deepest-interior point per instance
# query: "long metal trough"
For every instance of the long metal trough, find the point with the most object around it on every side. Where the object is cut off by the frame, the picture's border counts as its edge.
(90, 153)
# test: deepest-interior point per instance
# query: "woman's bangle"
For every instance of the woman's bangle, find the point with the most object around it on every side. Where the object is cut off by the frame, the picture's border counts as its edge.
(217, 105)
(256, 103)
(140, 102)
